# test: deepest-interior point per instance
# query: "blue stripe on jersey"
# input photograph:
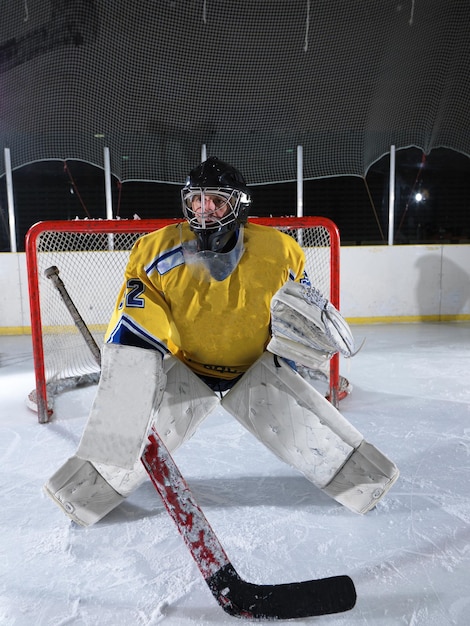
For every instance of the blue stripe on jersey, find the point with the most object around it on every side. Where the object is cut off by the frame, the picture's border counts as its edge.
(128, 332)
(166, 261)
(305, 280)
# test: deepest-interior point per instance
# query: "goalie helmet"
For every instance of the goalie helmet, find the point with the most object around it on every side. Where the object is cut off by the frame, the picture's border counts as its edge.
(216, 201)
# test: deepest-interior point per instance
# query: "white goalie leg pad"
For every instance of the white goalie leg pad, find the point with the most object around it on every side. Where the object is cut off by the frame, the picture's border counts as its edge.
(87, 491)
(131, 385)
(305, 430)
(186, 403)
(81, 492)
(292, 419)
(363, 480)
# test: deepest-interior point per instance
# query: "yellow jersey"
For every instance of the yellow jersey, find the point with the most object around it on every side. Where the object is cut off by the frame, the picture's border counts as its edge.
(216, 327)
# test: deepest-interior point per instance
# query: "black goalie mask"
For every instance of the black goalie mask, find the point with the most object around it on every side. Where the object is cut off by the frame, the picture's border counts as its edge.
(216, 201)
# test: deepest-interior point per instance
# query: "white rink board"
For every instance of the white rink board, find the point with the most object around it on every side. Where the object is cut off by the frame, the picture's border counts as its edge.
(14, 303)
(377, 282)
(405, 281)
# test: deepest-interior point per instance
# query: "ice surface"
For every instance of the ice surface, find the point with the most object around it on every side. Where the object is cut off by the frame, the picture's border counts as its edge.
(409, 557)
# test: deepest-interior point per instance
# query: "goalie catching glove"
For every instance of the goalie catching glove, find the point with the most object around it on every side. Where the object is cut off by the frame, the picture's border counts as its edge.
(306, 327)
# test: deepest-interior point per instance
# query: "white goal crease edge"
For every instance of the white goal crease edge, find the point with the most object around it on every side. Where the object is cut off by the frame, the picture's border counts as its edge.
(91, 256)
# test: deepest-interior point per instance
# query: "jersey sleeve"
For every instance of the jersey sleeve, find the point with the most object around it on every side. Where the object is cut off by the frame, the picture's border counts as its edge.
(299, 271)
(141, 316)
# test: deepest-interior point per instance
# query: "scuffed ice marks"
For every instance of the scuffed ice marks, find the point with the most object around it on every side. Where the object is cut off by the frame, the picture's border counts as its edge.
(409, 557)
(149, 558)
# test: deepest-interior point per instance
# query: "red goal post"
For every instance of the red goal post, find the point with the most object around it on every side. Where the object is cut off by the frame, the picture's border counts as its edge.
(91, 256)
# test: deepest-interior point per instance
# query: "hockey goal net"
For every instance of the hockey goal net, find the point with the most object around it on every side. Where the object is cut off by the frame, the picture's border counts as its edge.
(91, 256)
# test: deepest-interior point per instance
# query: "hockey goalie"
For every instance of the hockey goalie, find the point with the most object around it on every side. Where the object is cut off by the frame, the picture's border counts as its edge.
(216, 310)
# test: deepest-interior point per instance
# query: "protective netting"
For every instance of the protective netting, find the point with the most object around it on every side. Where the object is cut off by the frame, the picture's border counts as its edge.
(251, 80)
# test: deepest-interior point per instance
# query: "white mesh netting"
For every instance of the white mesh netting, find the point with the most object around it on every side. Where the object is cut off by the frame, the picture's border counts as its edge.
(154, 81)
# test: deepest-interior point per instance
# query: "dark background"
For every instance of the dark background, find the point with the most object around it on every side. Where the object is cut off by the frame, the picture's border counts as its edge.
(49, 190)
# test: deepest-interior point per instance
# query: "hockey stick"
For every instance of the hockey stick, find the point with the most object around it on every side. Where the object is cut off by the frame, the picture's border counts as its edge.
(53, 274)
(236, 596)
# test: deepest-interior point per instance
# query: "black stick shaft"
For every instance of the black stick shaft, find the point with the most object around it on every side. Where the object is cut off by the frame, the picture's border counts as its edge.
(53, 274)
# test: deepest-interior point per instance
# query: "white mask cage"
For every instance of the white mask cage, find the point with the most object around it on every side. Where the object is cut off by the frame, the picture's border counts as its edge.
(211, 208)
